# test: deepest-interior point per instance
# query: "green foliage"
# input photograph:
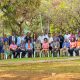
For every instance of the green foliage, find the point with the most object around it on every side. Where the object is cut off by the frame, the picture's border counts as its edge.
(64, 14)
(16, 12)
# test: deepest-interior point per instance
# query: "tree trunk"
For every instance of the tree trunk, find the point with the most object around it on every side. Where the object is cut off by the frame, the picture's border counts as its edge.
(3, 32)
(41, 25)
(20, 28)
(48, 26)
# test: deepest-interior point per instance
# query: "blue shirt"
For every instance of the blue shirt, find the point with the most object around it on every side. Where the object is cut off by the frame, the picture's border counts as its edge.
(67, 44)
(5, 39)
(31, 46)
(18, 41)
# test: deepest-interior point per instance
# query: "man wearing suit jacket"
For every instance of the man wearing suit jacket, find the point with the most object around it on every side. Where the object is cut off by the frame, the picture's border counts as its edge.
(12, 38)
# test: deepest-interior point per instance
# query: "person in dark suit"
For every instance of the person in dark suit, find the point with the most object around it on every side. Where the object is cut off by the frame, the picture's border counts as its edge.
(28, 37)
(12, 38)
(61, 39)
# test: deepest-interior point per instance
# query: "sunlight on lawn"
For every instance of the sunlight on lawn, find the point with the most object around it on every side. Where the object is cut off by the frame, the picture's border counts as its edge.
(56, 70)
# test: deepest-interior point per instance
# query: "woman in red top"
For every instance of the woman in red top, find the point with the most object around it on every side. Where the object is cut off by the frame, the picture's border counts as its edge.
(72, 46)
(45, 46)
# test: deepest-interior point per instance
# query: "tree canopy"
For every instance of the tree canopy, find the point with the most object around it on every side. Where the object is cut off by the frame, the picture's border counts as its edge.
(38, 15)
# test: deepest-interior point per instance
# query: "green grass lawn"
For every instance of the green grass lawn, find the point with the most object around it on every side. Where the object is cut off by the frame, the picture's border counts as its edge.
(36, 59)
(53, 66)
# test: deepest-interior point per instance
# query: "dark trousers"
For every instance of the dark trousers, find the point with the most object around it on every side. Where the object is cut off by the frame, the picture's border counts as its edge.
(13, 52)
(18, 53)
(71, 51)
(30, 52)
(50, 49)
(77, 51)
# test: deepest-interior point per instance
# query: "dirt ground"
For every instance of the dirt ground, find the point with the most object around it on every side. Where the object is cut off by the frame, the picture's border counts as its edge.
(64, 76)
(24, 75)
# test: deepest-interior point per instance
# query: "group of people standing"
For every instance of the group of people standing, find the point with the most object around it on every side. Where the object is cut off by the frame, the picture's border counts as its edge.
(43, 43)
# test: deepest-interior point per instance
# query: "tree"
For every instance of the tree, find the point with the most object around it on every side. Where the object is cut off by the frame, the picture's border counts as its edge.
(18, 11)
(40, 14)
